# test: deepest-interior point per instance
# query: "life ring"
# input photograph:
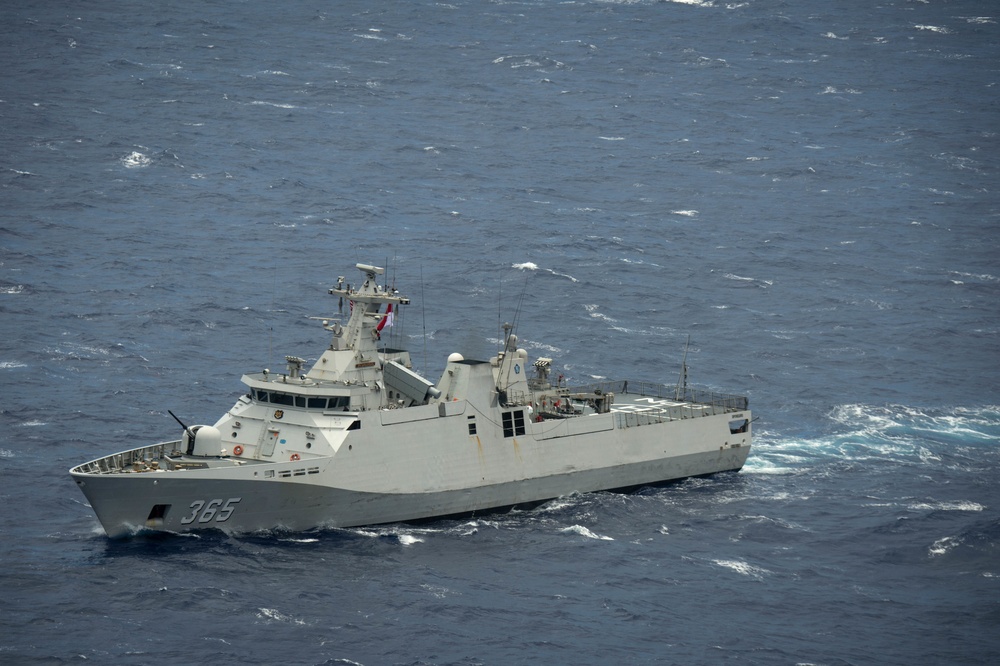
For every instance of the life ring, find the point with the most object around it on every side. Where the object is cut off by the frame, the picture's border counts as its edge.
(237, 450)
(295, 457)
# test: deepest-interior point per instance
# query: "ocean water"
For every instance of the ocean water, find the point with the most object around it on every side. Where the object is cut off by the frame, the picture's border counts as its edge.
(807, 190)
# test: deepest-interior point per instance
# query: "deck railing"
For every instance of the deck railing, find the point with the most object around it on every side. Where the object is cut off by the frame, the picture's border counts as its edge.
(119, 462)
(720, 402)
(685, 403)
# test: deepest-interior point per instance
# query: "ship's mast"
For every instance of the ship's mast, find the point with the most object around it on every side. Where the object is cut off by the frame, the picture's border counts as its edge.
(366, 301)
(353, 352)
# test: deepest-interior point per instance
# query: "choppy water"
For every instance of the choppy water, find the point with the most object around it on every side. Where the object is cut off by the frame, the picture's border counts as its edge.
(807, 190)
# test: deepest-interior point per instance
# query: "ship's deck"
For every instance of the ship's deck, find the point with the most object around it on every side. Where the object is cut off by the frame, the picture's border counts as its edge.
(644, 402)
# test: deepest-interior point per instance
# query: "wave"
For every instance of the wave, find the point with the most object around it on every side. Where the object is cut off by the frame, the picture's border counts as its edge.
(933, 28)
(272, 615)
(951, 438)
(517, 61)
(743, 568)
(532, 266)
(749, 280)
(136, 160)
(970, 424)
(277, 105)
(583, 531)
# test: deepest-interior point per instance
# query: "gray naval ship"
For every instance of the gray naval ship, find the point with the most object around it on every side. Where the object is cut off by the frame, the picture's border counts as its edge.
(362, 439)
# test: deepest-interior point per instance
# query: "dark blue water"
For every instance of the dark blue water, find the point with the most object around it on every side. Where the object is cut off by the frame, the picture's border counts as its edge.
(809, 190)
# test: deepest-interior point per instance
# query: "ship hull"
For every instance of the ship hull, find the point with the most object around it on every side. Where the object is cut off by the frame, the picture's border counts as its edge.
(127, 504)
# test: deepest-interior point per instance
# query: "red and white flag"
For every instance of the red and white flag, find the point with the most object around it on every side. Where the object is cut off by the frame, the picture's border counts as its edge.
(386, 320)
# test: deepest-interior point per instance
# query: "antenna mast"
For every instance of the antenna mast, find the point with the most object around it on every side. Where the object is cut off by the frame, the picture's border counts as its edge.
(682, 380)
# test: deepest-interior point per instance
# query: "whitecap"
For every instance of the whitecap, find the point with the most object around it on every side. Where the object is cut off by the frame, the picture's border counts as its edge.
(958, 505)
(592, 311)
(831, 90)
(583, 531)
(563, 275)
(531, 266)
(7, 365)
(933, 28)
(758, 465)
(439, 592)
(135, 160)
(926, 455)
(685, 213)
(409, 539)
(611, 138)
(743, 568)
(942, 546)
(274, 104)
(276, 616)
(978, 276)
(556, 505)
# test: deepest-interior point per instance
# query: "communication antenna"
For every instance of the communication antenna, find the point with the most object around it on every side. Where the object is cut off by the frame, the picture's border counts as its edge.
(499, 312)
(520, 302)
(682, 380)
(270, 318)
(423, 315)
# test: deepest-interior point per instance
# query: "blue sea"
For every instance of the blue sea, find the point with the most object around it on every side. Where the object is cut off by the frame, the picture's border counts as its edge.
(808, 191)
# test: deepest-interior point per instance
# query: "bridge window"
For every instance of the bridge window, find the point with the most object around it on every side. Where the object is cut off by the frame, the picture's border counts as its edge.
(513, 423)
(338, 402)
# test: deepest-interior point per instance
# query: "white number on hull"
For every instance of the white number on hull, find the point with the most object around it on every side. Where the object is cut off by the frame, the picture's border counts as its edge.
(211, 511)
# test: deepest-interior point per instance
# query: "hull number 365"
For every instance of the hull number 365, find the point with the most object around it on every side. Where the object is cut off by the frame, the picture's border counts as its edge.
(205, 510)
